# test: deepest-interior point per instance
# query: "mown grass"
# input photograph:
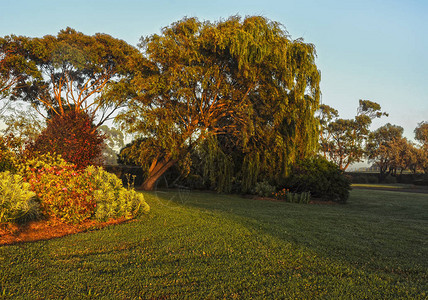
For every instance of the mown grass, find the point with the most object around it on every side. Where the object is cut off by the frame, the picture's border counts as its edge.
(386, 185)
(202, 245)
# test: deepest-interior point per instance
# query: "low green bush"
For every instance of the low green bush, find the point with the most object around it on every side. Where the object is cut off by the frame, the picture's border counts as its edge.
(112, 199)
(373, 179)
(17, 201)
(286, 195)
(263, 189)
(323, 179)
(390, 179)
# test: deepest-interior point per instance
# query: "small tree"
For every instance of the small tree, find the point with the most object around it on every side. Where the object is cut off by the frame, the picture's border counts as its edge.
(342, 141)
(421, 135)
(73, 136)
(380, 148)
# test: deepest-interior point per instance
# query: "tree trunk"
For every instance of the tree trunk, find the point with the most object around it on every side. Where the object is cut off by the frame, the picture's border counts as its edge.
(157, 169)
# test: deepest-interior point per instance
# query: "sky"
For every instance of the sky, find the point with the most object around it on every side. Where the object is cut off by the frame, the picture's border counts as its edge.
(367, 49)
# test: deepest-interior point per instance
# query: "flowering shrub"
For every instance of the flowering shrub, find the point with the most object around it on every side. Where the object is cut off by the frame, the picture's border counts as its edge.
(72, 195)
(64, 192)
(16, 200)
(112, 199)
(30, 164)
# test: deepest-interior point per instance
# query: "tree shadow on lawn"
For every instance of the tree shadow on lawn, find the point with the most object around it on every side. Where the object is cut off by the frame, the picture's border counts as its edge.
(375, 228)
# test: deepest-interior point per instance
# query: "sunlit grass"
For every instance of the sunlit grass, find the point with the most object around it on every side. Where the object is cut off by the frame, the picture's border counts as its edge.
(389, 186)
(202, 245)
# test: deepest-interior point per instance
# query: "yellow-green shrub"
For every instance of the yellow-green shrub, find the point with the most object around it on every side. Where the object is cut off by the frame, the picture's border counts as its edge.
(17, 201)
(112, 199)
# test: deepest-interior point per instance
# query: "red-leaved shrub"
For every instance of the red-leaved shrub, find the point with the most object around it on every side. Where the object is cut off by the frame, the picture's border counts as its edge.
(73, 136)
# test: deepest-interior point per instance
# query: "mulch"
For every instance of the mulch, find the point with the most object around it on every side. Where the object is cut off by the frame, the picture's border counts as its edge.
(46, 230)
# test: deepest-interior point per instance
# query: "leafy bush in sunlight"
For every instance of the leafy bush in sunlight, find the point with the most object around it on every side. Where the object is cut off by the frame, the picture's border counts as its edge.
(65, 193)
(112, 199)
(17, 201)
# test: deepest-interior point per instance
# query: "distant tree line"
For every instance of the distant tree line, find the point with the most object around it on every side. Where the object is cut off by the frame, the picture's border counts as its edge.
(346, 141)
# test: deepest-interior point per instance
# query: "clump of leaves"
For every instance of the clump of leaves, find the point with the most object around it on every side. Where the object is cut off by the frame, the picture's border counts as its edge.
(112, 199)
(286, 195)
(8, 158)
(65, 193)
(323, 179)
(263, 189)
(17, 201)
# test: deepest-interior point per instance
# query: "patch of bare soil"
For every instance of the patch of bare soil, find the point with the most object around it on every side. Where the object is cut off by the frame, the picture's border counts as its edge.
(45, 230)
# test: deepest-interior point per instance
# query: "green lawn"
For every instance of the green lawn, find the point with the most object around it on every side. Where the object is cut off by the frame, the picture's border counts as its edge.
(202, 245)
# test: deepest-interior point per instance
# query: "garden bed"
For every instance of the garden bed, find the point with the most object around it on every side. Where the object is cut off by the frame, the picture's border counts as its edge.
(45, 230)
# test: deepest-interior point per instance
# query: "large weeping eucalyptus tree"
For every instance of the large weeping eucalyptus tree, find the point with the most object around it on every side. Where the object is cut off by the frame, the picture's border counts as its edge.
(244, 78)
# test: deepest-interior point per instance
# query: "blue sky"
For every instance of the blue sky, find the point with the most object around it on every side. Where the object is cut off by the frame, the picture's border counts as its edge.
(367, 49)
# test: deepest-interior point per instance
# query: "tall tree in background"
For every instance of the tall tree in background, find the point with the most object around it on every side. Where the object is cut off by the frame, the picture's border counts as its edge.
(16, 71)
(241, 78)
(79, 72)
(343, 140)
(380, 148)
(421, 135)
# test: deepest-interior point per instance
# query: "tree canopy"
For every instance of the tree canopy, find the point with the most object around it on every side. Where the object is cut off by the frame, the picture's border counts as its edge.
(244, 78)
(380, 148)
(74, 71)
(15, 68)
(342, 140)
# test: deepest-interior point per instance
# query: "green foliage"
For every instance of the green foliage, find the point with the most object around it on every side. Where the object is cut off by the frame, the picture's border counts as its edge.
(74, 71)
(112, 199)
(263, 189)
(421, 133)
(286, 195)
(380, 148)
(217, 166)
(29, 165)
(242, 77)
(16, 70)
(323, 179)
(342, 140)
(73, 136)
(17, 201)
(8, 159)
